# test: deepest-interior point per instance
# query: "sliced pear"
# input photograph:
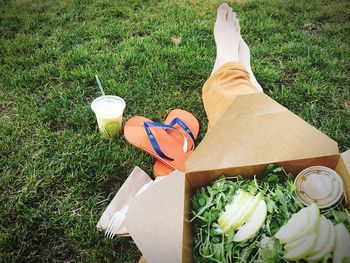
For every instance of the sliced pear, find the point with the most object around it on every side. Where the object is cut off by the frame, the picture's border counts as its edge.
(314, 218)
(292, 245)
(247, 211)
(342, 244)
(238, 212)
(295, 225)
(233, 210)
(318, 255)
(253, 224)
(306, 244)
(302, 223)
(323, 232)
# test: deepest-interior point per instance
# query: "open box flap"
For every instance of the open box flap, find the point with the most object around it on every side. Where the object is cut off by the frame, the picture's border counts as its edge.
(155, 219)
(255, 129)
(125, 194)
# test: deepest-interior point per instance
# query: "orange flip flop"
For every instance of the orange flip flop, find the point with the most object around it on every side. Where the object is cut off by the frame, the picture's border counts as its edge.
(154, 138)
(191, 123)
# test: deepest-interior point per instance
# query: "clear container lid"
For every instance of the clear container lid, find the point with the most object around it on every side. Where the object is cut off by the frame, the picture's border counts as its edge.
(108, 106)
(320, 185)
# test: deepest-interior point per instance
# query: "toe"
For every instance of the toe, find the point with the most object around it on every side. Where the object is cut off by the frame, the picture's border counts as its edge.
(230, 15)
(222, 11)
(237, 26)
(234, 17)
(235, 22)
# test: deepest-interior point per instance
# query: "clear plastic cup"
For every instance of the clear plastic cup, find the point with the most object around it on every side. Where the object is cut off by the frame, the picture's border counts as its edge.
(109, 114)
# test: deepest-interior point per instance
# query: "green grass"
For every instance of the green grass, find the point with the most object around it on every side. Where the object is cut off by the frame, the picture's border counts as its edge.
(57, 175)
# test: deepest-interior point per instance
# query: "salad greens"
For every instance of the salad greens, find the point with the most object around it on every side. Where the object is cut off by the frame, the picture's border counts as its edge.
(278, 190)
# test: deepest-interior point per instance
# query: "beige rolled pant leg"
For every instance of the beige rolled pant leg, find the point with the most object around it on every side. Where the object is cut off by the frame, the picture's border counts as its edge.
(229, 81)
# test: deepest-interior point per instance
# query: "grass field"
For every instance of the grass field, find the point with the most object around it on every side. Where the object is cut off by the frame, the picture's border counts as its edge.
(57, 175)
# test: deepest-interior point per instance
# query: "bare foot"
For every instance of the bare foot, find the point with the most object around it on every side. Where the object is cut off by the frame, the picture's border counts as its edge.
(227, 36)
(244, 58)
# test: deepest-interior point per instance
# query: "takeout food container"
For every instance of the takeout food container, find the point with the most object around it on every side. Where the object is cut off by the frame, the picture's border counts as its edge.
(254, 131)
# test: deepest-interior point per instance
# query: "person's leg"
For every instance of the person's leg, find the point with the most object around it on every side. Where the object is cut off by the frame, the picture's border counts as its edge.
(244, 57)
(229, 76)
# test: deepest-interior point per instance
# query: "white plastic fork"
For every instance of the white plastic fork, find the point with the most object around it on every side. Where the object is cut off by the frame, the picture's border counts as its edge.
(119, 216)
(116, 221)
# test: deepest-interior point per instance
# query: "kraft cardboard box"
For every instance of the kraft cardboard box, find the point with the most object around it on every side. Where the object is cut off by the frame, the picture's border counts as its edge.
(253, 132)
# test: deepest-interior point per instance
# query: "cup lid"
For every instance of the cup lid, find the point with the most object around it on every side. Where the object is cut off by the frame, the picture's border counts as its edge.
(108, 105)
(320, 185)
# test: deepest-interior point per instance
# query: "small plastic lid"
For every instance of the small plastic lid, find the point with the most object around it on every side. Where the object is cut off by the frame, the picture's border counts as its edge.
(320, 185)
(108, 105)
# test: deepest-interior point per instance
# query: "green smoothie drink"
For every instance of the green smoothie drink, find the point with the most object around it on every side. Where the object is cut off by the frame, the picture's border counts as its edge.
(109, 114)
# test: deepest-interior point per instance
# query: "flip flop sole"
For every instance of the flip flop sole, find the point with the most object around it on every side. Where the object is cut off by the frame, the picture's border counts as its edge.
(162, 169)
(135, 134)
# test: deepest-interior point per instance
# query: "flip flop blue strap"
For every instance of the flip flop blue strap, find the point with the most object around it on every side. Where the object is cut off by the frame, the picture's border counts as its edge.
(154, 143)
(183, 126)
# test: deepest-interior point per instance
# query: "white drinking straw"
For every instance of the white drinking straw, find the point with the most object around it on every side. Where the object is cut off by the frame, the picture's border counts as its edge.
(100, 85)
